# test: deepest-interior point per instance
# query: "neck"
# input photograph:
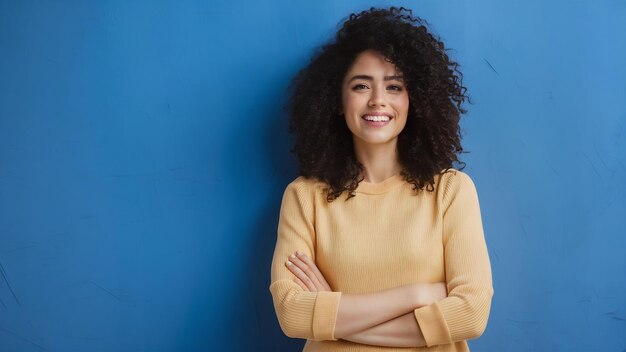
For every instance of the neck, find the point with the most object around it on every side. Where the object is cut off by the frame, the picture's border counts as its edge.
(379, 161)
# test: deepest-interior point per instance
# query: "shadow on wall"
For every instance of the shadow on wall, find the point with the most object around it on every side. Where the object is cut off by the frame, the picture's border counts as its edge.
(277, 145)
(274, 149)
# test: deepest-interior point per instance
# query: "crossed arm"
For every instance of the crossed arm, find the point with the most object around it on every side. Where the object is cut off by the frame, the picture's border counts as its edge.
(382, 318)
(419, 314)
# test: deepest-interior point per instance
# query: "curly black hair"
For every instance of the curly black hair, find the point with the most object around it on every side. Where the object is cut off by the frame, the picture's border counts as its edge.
(430, 142)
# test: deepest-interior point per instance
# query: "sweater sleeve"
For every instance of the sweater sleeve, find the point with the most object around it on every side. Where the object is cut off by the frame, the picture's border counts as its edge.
(301, 314)
(463, 314)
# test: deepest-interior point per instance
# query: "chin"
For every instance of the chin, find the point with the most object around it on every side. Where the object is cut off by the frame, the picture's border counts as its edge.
(373, 140)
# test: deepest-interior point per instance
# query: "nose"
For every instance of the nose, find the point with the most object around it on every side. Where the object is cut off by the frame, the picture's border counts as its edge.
(377, 97)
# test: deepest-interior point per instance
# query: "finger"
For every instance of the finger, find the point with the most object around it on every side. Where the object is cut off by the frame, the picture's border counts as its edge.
(314, 271)
(318, 274)
(300, 283)
(320, 277)
(308, 271)
(301, 275)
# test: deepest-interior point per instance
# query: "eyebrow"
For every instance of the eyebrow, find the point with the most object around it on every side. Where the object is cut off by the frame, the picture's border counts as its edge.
(370, 78)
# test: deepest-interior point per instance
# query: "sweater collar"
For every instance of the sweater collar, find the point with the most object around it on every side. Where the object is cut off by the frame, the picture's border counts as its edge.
(380, 187)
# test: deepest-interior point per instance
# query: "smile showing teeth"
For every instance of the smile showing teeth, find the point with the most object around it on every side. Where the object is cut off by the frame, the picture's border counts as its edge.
(376, 118)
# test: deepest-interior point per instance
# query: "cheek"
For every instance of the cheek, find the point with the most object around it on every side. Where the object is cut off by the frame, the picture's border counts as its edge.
(345, 101)
(402, 107)
(404, 103)
(352, 104)
(401, 104)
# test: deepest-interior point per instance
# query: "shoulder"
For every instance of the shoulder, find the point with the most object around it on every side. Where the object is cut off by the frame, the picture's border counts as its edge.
(453, 177)
(452, 182)
(304, 189)
(305, 184)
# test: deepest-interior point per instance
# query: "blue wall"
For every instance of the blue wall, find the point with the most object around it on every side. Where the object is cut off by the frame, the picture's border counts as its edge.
(143, 154)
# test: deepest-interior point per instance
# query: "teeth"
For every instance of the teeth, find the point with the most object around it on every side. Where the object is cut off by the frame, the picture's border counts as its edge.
(376, 118)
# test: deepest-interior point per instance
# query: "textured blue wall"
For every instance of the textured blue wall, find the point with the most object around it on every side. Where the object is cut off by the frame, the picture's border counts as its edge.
(143, 154)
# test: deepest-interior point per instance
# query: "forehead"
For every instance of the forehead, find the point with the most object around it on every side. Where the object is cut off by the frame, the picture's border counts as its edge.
(372, 63)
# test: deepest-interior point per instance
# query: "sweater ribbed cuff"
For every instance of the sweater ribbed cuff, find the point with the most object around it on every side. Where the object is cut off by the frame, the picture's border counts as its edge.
(433, 325)
(325, 315)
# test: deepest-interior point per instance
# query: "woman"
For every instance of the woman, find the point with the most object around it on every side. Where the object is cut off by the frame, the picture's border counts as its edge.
(380, 242)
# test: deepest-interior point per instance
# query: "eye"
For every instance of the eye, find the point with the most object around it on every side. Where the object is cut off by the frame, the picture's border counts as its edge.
(359, 86)
(395, 87)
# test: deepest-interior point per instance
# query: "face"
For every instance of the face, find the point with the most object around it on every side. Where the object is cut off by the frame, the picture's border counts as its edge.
(375, 100)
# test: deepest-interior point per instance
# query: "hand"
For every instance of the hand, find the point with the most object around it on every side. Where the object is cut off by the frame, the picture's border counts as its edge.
(307, 274)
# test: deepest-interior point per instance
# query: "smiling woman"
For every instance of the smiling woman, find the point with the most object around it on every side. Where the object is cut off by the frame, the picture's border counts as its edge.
(401, 260)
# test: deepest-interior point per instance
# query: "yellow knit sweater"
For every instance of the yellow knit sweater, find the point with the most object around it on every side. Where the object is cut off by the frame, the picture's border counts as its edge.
(386, 236)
